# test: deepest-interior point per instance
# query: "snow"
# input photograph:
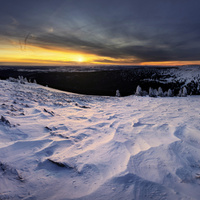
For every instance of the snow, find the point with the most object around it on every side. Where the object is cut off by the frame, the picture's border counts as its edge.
(59, 145)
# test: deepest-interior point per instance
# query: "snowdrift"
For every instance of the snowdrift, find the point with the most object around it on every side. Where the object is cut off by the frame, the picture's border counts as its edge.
(59, 145)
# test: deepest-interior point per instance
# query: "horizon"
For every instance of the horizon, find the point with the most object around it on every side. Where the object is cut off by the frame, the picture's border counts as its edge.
(98, 65)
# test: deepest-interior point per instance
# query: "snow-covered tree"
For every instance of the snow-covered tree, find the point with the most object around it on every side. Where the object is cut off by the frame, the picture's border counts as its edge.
(22, 80)
(198, 87)
(138, 91)
(144, 93)
(155, 92)
(160, 92)
(165, 94)
(117, 93)
(13, 79)
(169, 93)
(25, 80)
(151, 92)
(184, 93)
(180, 93)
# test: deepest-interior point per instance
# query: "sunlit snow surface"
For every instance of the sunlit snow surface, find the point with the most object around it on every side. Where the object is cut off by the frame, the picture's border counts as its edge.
(58, 145)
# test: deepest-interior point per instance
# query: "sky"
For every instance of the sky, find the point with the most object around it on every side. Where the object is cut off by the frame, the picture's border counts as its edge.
(112, 32)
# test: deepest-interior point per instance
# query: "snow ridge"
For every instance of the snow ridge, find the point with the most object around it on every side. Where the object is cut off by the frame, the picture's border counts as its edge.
(59, 145)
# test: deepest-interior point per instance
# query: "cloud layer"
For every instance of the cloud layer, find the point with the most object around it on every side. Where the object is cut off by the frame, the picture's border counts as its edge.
(140, 30)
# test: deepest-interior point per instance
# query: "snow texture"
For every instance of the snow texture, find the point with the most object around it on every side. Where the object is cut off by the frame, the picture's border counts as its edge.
(59, 145)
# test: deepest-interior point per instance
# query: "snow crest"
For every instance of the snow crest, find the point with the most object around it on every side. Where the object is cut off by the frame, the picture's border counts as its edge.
(59, 145)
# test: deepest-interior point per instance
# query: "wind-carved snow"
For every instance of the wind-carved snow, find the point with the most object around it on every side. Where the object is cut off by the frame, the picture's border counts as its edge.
(58, 145)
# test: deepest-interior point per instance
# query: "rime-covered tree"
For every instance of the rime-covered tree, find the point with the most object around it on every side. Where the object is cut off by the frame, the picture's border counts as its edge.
(155, 92)
(169, 93)
(117, 93)
(150, 92)
(144, 93)
(138, 91)
(25, 80)
(184, 93)
(165, 94)
(160, 92)
(180, 93)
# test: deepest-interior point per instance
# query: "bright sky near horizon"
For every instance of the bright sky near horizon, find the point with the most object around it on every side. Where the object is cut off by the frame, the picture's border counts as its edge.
(67, 32)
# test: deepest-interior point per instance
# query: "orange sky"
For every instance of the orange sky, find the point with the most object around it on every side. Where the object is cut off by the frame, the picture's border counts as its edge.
(14, 53)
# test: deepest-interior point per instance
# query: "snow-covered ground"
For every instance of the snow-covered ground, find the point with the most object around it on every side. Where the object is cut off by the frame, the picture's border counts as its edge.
(59, 145)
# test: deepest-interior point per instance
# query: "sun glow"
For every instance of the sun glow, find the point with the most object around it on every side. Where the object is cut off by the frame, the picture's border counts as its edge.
(32, 55)
(80, 59)
(14, 54)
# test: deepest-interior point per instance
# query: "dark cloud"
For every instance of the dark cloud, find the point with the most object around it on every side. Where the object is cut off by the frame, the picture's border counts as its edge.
(140, 30)
(117, 62)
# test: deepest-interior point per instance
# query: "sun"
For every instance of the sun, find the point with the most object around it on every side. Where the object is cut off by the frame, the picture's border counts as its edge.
(80, 59)
(77, 58)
